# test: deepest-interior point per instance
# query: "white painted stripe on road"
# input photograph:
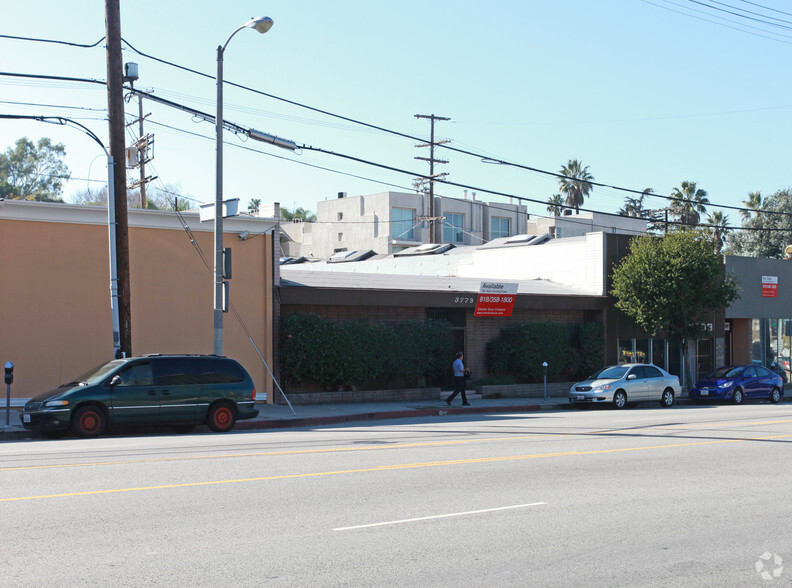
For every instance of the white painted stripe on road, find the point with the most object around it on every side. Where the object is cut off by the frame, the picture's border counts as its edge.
(456, 514)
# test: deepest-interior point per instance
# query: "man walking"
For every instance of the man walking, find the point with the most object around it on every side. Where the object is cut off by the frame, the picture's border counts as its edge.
(459, 381)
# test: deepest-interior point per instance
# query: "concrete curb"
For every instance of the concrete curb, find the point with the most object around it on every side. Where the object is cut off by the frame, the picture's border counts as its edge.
(386, 415)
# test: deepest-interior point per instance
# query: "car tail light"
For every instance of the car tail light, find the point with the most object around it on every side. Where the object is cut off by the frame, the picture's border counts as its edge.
(253, 396)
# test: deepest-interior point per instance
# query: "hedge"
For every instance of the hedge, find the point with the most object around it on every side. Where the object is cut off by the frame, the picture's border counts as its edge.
(356, 353)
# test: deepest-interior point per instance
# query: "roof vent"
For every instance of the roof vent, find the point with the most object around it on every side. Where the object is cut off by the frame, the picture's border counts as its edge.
(425, 249)
(520, 239)
(347, 256)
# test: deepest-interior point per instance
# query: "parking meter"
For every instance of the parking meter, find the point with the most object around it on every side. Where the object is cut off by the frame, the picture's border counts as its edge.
(9, 378)
(544, 370)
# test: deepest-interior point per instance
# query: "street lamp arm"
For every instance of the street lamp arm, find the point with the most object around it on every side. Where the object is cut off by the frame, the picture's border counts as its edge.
(59, 120)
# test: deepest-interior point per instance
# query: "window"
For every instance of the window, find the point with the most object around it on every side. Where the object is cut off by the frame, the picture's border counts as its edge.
(403, 223)
(651, 372)
(340, 237)
(499, 227)
(340, 216)
(137, 375)
(452, 227)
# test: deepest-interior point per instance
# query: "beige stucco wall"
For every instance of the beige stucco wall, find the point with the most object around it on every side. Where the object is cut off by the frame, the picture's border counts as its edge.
(55, 317)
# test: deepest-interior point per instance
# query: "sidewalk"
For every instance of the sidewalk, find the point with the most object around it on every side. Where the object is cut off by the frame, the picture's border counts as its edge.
(280, 416)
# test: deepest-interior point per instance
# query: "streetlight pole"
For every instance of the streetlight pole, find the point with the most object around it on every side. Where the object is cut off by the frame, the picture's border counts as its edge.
(262, 25)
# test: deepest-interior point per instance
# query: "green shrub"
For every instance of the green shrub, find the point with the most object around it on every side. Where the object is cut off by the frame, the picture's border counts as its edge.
(356, 353)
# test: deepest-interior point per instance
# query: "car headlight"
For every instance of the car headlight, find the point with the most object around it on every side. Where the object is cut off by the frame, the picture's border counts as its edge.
(602, 387)
(727, 384)
(51, 403)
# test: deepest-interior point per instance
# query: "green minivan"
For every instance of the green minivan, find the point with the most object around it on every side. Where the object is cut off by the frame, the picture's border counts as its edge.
(180, 391)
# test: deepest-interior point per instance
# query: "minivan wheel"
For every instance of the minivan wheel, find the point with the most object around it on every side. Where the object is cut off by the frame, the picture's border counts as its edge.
(775, 395)
(88, 421)
(619, 399)
(222, 418)
(737, 396)
(667, 399)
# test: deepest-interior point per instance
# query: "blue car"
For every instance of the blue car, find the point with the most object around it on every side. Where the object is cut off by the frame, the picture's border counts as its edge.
(739, 383)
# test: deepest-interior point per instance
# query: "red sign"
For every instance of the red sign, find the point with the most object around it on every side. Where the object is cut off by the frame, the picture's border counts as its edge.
(495, 305)
(769, 286)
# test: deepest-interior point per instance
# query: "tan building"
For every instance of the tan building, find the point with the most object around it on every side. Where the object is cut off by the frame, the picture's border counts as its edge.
(55, 314)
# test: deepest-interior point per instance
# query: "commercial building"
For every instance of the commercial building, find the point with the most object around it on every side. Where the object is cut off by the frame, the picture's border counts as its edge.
(55, 315)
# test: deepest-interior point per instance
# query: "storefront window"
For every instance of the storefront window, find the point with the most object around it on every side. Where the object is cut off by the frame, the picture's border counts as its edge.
(659, 353)
(675, 361)
(704, 358)
(625, 351)
(641, 351)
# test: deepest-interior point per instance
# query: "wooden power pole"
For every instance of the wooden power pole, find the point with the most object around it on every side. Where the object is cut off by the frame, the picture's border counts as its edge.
(115, 110)
(431, 159)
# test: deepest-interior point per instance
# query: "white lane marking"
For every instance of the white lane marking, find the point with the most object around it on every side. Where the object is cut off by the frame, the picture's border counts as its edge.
(456, 514)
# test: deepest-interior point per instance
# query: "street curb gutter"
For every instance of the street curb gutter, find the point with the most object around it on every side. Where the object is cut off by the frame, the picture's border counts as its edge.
(305, 422)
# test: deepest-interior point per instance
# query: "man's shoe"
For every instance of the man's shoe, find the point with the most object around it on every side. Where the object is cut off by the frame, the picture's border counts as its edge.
(448, 402)
(465, 404)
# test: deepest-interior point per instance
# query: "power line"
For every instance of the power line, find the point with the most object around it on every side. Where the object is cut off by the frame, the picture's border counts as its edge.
(238, 128)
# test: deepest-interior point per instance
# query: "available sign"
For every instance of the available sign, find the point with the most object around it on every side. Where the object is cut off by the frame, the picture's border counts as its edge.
(496, 299)
(769, 286)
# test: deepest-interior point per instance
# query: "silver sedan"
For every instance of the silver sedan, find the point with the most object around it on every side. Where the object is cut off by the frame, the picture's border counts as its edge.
(627, 382)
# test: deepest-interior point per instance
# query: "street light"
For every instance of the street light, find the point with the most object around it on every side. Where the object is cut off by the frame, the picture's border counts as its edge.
(262, 25)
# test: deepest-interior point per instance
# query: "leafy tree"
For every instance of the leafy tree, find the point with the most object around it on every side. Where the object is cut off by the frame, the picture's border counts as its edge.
(33, 171)
(555, 205)
(169, 197)
(575, 184)
(718, 228)
(299, 213)
(691, 202)
(253, 205)
(767, 230)
(671, 284)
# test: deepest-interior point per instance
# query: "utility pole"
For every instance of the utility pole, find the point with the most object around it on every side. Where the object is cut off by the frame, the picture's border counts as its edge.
(115, 111)
(431, 159)
(142, 148)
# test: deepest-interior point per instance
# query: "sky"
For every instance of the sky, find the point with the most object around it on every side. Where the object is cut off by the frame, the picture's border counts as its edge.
(646, 93)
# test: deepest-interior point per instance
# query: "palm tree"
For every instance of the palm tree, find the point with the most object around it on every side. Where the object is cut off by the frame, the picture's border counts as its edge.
(753, 204)
(719, 226)
(253, 205)
(689, 204)
(575, 183)
(555, 205)
(635, 206)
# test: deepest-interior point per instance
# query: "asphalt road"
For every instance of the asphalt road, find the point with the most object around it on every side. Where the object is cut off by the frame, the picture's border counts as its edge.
(688, 496)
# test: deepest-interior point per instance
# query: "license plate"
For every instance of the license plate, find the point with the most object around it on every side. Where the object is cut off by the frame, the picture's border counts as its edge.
(25, 418)
(704, 392)
(581, 397)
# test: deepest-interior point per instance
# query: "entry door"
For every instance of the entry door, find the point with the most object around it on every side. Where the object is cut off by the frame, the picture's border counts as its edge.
(135, 399)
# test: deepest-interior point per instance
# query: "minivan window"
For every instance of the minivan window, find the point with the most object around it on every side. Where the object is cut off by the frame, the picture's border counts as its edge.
(137, 375)
(99, 372)
(220, 371)
(178, 371)
(185, 371)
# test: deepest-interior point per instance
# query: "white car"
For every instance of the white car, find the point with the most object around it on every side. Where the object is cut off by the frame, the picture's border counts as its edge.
(627, 382)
